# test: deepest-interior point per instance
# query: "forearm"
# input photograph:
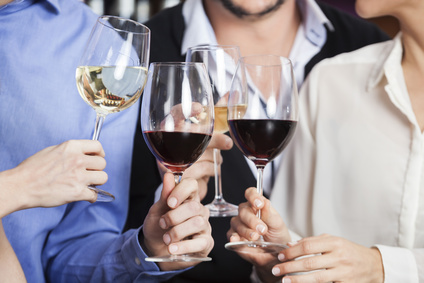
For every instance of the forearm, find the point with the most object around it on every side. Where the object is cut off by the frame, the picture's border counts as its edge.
(10, 268)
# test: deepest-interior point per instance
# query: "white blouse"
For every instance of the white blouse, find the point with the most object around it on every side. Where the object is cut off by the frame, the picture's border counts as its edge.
(354, 168)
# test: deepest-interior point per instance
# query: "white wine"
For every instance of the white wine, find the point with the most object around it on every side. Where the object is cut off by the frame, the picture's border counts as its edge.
(110, 89)
(221, 124)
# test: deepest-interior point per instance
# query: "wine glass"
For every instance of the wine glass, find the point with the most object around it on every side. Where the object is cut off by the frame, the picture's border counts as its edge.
(112, 71)
(262, 116)
(177, 121)
(221, 63)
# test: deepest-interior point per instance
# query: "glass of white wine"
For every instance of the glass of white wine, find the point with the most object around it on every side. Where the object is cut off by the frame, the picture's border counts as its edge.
(221, 63)
(112, 71)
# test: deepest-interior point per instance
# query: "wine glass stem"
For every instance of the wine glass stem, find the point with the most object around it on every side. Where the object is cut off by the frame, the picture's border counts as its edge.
(177, 177)
(99, 123)
(259, 186)
(218, 184)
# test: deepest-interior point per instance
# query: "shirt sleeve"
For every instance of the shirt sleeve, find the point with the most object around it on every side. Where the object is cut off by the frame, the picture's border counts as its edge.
(119, 259)
(401, 264)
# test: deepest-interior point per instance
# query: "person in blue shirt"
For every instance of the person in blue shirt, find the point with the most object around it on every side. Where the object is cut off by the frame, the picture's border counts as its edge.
(41, 43)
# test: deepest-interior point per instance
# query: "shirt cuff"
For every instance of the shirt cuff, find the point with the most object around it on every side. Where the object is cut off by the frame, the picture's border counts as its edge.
(399, 264)
(140, 269)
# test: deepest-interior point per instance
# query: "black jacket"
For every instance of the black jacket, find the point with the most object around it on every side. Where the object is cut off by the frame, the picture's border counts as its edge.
(167, 29)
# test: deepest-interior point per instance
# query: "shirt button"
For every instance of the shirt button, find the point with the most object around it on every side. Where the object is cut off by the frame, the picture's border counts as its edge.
(137, 261)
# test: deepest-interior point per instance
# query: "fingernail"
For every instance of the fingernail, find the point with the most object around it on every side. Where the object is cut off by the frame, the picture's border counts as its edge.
(276, 271)
(166, 239)
(162, 223)
(286, 280)
(281, 257)
(292, 243)
(172, 202)
(258, 203)
(260, 228)
(173, 248)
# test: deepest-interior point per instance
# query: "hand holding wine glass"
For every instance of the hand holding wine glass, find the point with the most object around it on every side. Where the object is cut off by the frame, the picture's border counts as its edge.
(177, 121)
(112, 70)
(221, 62)
(262, 115)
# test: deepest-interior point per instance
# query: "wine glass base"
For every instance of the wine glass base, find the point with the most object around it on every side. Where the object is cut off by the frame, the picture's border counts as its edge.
(178, 258)
(102, 196)
(255, 247)
(222, 209)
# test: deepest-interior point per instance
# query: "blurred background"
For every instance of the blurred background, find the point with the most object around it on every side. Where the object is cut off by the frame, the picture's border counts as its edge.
(142, 10)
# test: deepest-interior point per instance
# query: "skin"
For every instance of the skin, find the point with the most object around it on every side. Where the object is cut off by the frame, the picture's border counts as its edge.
(66, 169)
(333, 258)
(177, 223)
(276, 30)
(4, 2)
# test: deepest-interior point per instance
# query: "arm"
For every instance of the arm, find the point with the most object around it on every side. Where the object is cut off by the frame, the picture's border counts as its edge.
(10, 269)
(53, 176)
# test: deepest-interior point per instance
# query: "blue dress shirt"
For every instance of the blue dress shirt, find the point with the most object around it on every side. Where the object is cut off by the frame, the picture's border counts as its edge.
(40, 45)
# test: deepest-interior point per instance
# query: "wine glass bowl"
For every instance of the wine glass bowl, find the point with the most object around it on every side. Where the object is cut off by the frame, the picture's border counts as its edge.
(262, 117)
(177, 119)
(112, 71)
(220, 62)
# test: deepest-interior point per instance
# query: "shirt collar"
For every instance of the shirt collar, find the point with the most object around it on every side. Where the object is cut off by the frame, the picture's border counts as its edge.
(55, 4)
(17, 5)
(199, 33)
(314, 21)
(389, 57)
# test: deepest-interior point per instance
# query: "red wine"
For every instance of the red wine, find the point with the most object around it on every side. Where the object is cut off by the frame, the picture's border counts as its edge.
(261, 140)
(176, 150)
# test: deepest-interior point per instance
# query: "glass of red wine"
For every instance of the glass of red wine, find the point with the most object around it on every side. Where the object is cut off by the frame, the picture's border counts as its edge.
(177, 120)
(221, 62)
(262, 116)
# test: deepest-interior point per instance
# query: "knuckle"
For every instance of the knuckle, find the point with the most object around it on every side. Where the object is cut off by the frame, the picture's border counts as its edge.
(174, 234)
(309, 263)
(306, 247)
(195, 207)
(318, 277)
(204, 244)
(285, 268)
(199, 221)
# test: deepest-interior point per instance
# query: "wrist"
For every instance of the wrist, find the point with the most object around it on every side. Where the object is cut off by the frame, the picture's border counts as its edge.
(141, 241)
(10, 201)
(378, 268)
